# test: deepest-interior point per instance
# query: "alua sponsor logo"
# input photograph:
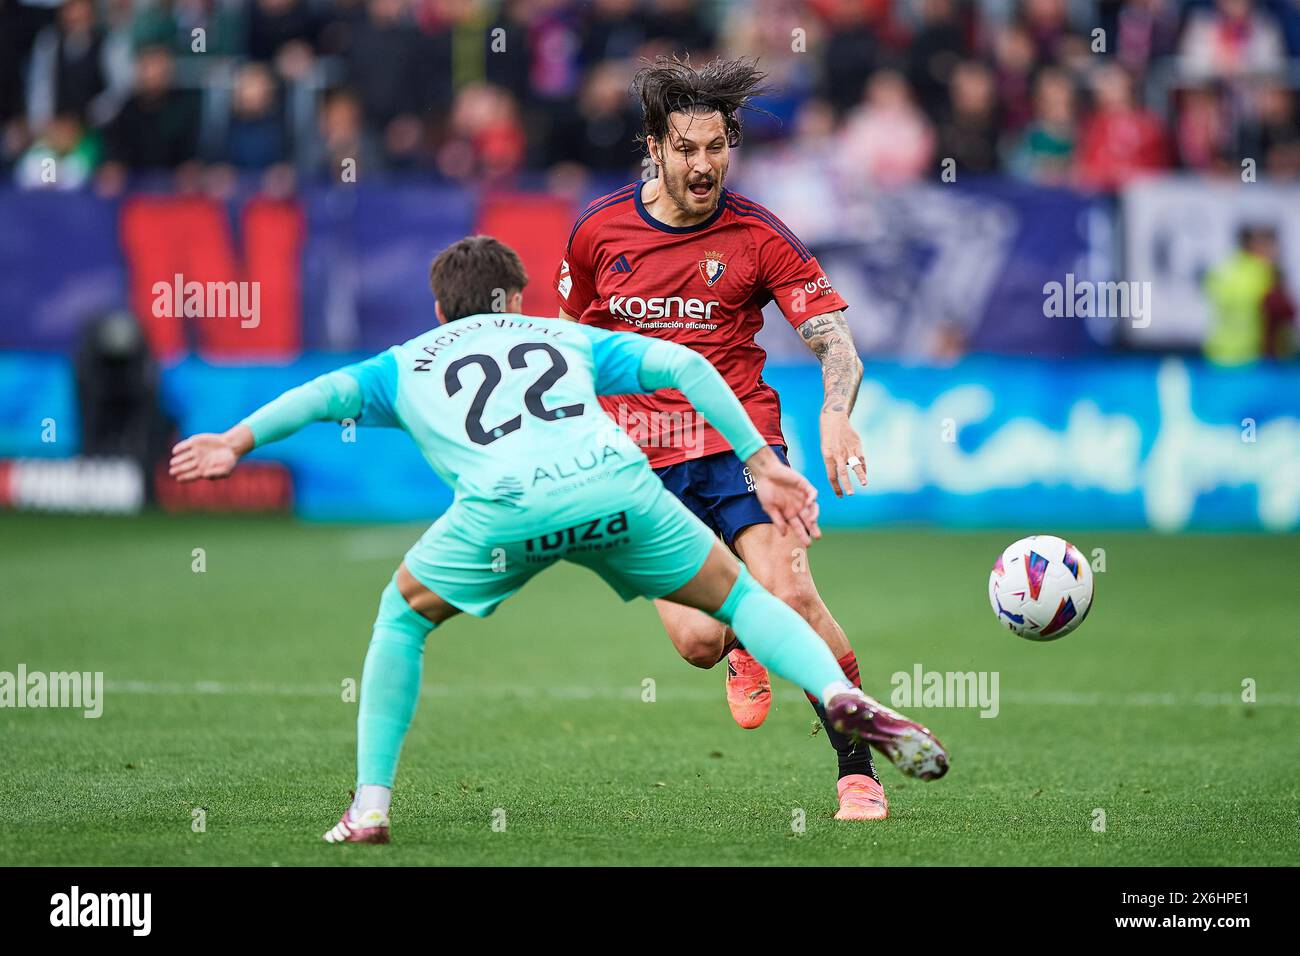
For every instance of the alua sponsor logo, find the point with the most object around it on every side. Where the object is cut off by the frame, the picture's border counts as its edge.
(560, 470)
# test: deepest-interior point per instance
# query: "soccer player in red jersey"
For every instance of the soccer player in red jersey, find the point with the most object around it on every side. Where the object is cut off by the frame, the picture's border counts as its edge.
(681, 257)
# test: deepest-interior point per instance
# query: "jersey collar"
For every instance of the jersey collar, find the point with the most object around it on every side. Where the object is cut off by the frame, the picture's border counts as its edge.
(680, 230)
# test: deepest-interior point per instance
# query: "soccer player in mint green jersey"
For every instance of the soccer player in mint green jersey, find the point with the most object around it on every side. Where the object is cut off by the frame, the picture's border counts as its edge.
(504, 408)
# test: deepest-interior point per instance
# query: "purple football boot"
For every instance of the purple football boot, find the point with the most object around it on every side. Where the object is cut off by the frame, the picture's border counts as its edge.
(912, 748)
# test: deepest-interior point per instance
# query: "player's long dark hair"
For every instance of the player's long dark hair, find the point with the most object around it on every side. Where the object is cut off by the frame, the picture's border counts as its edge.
(671, 85)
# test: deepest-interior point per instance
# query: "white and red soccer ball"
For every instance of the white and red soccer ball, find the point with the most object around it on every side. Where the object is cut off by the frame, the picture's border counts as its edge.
(1041, 587)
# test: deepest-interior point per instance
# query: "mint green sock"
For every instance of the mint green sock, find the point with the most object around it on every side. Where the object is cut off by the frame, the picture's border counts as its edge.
(778, 637)
(390, 687)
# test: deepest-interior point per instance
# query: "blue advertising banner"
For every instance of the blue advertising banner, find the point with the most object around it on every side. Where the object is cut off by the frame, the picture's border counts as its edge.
(361, 473)
(366, 261)
(1167, 444)
(60, 266)
(38, 407)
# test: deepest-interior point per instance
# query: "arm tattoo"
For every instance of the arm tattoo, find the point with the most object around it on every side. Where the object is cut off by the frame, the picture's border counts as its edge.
(829, 338)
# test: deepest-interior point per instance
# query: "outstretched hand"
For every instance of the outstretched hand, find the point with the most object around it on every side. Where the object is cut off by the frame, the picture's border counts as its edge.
(207, 455)
(788, 497)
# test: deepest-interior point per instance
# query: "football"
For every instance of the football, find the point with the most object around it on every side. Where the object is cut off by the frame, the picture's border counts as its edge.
(1041, 587)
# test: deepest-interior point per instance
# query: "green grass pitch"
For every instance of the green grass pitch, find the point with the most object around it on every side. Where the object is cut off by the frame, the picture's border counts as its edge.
(224, 692)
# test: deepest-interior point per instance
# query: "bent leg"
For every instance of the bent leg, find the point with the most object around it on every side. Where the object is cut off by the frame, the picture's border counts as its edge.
(699, 638)
(667, 552)
(780, 563)
(423, 601)
(773, 632)
(446, 572)
(771, 558)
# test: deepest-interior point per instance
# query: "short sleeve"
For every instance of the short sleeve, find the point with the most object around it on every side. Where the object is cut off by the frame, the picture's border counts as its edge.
(377, 377)
(575, 283)
(617, 359)
(794, 278)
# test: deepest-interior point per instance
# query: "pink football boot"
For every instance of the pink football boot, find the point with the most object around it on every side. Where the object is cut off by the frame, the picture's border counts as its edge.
(861, 798)
(749, 689)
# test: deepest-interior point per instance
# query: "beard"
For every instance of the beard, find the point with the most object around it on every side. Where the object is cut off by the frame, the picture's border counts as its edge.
(679, 191)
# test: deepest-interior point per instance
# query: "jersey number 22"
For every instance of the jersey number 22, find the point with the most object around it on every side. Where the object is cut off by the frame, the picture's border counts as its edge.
(517, 357)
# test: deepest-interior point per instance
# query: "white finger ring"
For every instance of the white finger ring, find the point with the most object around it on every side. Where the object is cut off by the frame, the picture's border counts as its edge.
(854, 461)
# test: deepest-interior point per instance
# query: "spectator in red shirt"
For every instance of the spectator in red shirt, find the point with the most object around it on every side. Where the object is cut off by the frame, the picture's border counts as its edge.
(1120, 140)
(485, 135)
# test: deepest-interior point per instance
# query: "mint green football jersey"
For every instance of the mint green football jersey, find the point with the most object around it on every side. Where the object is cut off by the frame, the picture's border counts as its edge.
(504, 408)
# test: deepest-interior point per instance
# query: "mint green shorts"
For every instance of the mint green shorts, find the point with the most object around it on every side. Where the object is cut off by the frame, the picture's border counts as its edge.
(649, 545)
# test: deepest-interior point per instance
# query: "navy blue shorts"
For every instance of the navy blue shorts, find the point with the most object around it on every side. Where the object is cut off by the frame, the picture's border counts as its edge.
(719, 490)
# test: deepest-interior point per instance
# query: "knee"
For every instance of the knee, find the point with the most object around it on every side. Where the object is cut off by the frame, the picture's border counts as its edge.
(398, 621)
(803, 599)
(700, 646)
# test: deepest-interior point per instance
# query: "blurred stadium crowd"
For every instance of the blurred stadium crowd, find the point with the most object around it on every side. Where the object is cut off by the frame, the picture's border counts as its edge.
(1082, 92)
(1103, 150)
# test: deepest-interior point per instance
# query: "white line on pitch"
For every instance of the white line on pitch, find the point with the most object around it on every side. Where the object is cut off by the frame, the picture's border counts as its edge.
(612, 692)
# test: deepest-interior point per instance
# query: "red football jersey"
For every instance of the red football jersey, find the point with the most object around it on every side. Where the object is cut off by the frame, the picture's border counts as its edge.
(703, 286)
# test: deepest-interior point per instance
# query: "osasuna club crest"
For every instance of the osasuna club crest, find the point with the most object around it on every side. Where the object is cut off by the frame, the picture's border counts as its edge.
(712, 267)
